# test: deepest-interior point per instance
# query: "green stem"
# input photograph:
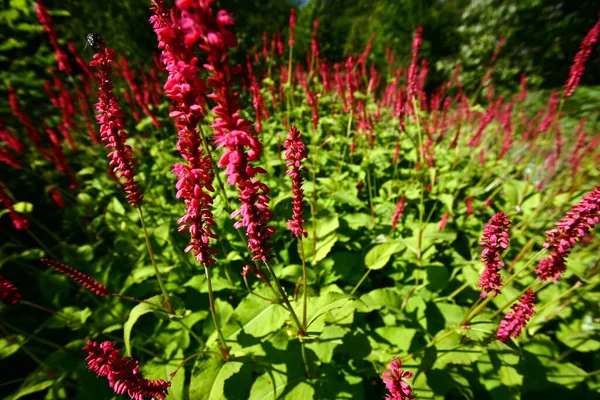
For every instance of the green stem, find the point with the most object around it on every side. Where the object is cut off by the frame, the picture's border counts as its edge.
(213, 313)
(167, 302)
(285, 299)
(428, 345)
(360, 282)
(304, 283)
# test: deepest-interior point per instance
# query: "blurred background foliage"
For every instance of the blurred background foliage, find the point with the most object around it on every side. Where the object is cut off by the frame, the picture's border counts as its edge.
(541, 36)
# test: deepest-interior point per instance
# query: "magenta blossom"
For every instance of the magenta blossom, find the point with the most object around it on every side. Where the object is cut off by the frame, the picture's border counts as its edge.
(111, 124)
(186, 90)
(578, 67)
(123, 373)
(494, 241)
(213, 37)
(8, 292)
(515, 321)
(295, 154)
(394, 382)
(398, 212)
(578, 222)
(97, 288)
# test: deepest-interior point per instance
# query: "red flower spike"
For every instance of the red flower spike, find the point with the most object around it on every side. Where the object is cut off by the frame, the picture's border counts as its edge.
(394, 382)
(48, 26)
(296, 153)
(110, 120)
(578, 67)
(398, 212)
(8, 292)
(494, 241)
(18, 220)
(97, 288)
(231, 131)
(123, 373)
(576, 225)
(186, 91)
(515, 321)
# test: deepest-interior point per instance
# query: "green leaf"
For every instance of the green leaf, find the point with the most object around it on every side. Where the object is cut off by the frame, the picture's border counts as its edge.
(379, 298)
(209, 375)
(255, 317)
(319, 306)
(331, 337)
(452, 351)
(31, 386)
(135, 314)
(9, 347)
(380, 254)
(580, 336)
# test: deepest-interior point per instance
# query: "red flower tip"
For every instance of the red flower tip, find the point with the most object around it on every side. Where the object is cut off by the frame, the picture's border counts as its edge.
(97, 288)
(8, 292)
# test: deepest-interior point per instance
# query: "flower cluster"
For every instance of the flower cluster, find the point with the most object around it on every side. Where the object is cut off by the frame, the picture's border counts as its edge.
(394, 382)
(398, 212)
(578, 67)
(97, 288)
(574, 226)
(111, 124)
(22, 116)
(412, 69)
(292, 27)
(295, 153)
(18, 220)
(123, 373)
(48, 26)
(185, 89)
(231, 130)
(8, 292)
(494, 241)
(515, 321)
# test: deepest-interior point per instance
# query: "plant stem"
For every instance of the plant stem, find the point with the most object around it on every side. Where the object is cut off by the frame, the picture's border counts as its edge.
(285, 299)
(167, 302)
(360, 282)
(213, 313)
(304, 282)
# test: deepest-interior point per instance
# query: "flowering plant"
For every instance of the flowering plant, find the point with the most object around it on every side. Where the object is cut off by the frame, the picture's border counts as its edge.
(296, 229)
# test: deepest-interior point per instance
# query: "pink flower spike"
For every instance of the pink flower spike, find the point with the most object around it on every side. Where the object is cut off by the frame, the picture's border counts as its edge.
(295, 154)
(443, 221)
(18, 220)
(515, 321)
(123, 373)
(110, 120)
(8, 292)
(97, 288)
(578, 67)
(576, 225)
(398, 212)
(494, 241)
(394, 382)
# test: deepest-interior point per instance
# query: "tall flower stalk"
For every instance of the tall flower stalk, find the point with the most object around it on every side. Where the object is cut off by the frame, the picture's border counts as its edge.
(186, 91)
(295, 154)
(231, 131)
(110, 120)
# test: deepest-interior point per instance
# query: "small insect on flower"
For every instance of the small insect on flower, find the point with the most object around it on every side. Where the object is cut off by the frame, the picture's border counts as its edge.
(93, 39)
